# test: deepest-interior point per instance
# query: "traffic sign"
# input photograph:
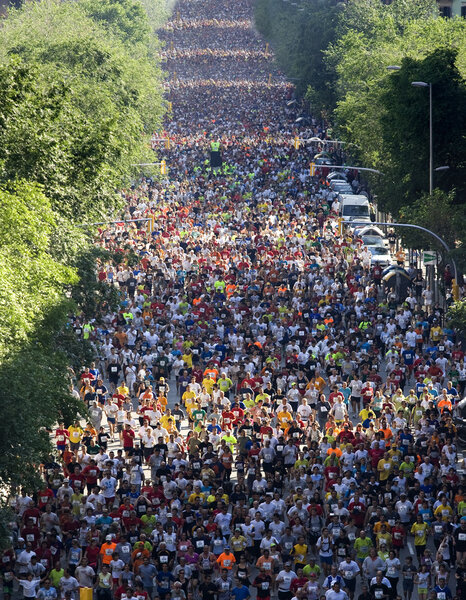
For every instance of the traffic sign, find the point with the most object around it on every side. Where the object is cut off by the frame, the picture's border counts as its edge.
(429, 257)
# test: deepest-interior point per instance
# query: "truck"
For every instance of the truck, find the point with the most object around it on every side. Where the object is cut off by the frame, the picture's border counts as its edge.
(354, 208)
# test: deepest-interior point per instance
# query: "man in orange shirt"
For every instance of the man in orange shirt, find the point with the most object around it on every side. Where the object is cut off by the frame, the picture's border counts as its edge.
(444, 404)
(211, 371)
(226, 560)
(265, 562)
(387, 433)
(106, 551)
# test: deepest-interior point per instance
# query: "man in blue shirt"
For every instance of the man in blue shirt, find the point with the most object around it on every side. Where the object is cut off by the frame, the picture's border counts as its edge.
(442, 590)
(240, 591)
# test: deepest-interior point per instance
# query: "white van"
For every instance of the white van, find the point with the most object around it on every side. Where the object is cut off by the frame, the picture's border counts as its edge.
(355, 208)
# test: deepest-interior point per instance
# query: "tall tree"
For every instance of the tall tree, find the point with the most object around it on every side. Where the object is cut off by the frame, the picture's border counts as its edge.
(84, 99)
(405, 129)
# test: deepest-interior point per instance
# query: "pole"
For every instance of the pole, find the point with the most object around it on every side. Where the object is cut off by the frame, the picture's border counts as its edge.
(410, 225)
(431, 145)
(349, 167)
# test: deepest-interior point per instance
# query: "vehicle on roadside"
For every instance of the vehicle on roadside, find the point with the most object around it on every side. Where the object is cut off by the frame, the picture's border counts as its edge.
(337, 176)
(380, 255)
(355, 208)
(373, 240)
(341, 187)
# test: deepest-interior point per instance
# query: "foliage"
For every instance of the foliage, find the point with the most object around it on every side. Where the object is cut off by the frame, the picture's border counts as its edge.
(381, 115)
(30, 378)
(456, 317)
(439, 213)
(343, 55)
(93, 297)
(299, 36)
(124, 18)
(405, 128)
(77, 99)
(31, 281)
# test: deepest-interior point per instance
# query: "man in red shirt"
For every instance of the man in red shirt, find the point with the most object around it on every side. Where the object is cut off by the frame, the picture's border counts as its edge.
(77, 479)
(357, 509)
(125, 511)
(367, 394)
(228, 418)
(31, 533)
(31, 513)
(91, 474)
(128, 439)
(376, 454)
(62, 436)
(435, 371)
(238, 414)
(44, 497)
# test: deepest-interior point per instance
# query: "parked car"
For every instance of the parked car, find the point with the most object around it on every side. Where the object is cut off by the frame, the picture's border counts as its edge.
(380, 255)
(337, 176)
(341, 187)
(369, 230)
(373, 240)
(324, 160)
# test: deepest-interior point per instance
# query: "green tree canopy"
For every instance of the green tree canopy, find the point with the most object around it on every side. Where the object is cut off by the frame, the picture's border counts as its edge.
(80, 101)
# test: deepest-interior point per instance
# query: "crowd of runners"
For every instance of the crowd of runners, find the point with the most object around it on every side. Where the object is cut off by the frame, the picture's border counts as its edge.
(264, 420)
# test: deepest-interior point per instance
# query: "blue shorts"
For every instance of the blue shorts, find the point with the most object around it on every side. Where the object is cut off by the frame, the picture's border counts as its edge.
(328, 560)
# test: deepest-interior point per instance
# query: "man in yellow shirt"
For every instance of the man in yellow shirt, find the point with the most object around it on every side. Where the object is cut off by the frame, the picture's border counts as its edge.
(76, 434)
(436, 332)
(383, 537)
(123, 389)
(384, 467)
(224, 384)
(188, 395)
(188, 358)
(197, 494)
(238, 542)
(395, 455)
(262, 396)
(444, 510)
(420, 530)
(319, 383)
(299, 553)
(208, 382)
(162, 401)
(191, 405)
(284, 419)
(166, 420)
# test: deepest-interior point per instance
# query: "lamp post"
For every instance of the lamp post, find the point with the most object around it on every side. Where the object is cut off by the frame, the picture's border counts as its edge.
(423, 84)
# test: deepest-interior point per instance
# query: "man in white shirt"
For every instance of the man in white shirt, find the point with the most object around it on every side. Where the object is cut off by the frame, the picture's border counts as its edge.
(108, 485)
(335, 593)
(304, 410)
(85, 573)
(284, 580)
(348, 570)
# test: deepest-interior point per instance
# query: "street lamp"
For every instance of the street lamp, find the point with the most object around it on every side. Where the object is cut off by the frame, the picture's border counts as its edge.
(393, 68)
(423, 84)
